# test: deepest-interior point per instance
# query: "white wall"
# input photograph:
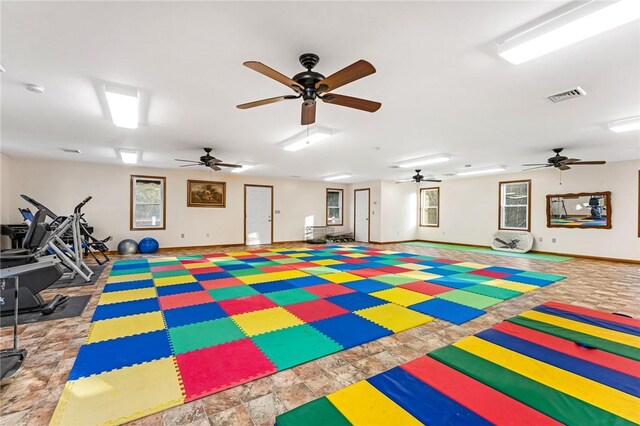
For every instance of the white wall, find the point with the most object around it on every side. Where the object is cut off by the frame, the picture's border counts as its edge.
(469, 210)
(5, 187)
(61, 185)
(399, 211)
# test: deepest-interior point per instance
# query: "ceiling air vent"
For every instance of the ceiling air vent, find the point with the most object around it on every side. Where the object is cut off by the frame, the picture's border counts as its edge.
(71, 151)
(569, 94)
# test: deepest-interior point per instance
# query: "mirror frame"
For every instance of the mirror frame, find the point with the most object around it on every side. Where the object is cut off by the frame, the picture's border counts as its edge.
(607, 195)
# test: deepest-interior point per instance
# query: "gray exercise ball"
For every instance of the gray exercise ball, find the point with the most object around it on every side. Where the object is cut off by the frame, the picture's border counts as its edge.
(127, 247)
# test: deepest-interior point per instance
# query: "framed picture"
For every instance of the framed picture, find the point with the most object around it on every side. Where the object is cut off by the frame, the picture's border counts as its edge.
(204, 193)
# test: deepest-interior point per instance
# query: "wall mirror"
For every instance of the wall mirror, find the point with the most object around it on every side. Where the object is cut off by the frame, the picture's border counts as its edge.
(580, 210)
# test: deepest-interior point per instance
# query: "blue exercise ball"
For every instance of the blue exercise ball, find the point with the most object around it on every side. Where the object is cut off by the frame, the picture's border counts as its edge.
(148, 245)
(127, 247)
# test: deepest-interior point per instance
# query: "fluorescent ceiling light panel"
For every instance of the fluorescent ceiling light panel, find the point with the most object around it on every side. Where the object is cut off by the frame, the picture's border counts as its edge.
(129, 156)
(481, 171)
(244, 168)
(625, 125)
(581, 22)
(123, 106)
(306, 139)
(338, 177)
(434, 159)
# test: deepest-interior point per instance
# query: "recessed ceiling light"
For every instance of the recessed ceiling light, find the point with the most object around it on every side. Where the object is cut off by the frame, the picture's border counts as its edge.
(244, 168)
(625, 125)
(338, 177)
(123, 105)
(129, 156)
(567, 27)
(34, 88)
(434, 159)
(306, 139)
(481, 171)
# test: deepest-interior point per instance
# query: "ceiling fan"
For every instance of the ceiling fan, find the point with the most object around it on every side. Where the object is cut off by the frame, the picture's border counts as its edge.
(419, 178)
(310, 85)
(209, 161)
(561, 162)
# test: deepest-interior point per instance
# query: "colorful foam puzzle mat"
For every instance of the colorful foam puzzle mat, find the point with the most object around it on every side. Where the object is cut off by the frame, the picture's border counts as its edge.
(168, 330)
(556, 364)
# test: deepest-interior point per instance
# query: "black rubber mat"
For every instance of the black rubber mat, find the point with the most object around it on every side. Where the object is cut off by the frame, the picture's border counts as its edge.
(73, 307)
(78, 280)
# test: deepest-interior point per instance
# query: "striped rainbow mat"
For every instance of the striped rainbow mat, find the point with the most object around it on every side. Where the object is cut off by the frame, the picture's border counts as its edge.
(554, 364)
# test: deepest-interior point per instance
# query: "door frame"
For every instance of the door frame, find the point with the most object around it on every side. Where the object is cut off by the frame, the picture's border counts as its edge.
(368, 213)
(245, 209)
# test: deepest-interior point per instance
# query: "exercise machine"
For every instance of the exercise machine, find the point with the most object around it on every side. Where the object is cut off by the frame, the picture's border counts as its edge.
(11, 359)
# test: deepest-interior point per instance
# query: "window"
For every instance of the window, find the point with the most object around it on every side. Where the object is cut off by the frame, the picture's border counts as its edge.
(514, 210)
(148, 205)
(334, 207)
(430, 207)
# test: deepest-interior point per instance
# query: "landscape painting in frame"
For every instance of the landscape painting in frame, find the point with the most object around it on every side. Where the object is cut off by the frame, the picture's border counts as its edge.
(203, 193)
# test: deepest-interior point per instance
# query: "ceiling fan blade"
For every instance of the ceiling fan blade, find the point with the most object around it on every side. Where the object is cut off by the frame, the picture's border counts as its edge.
(264, 102)
(188, 161)
(431, 180)
(215, 167)
(348, 101)
(538, 167)
(228, 165)
(587, 163)
(308, 113)
(564, 167)
(539, 164)
(191, 165)
(353, 72)
(271, 73)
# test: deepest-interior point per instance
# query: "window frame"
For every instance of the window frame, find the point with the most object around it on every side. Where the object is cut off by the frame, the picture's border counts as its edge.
(341, 206)
(132, 203)
(437, 207)
(528, 205)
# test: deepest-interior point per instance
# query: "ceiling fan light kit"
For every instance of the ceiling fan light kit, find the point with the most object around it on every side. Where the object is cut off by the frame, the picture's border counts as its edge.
(625, 125)
(311, 85)
(210, 161)
(569, 25)
(561, 162)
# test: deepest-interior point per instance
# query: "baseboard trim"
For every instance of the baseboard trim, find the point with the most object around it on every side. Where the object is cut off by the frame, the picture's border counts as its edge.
(579, 256)
(392, 242)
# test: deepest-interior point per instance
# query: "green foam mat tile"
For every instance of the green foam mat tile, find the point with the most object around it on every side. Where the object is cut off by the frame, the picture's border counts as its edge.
(265, 263)
(288, 260)
(226, 262)
(129, 271)
(390, 262)
(456, 268)
(173, 273)
(288, 297)
(165, 263)
(294, 345)
(491, 291)
(474, 300)
(190, 257)
(227, 293)
(394, 279)
(200, 335)
(319, 270)
(471, 277)
(245, 272)
(320, 412)
(541, 275)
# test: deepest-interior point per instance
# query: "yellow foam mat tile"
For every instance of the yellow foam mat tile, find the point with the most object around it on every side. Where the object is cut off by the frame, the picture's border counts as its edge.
(471, 265)
(215, 260)
(580, 327)
(394, 317)
(300, 255)
(125, 326)
(363, 404)
(127, 295)
(118, 396)
(327, 262)
(131, 277)
(401, 296)
(357, 255)
(180, 279)
(413, 266)
(420, 275)
(238, 253)
(590, 391)
(510, 285)
(341, 277)
(263, 321)
(162, 259)
(198, 265)
(272, 276)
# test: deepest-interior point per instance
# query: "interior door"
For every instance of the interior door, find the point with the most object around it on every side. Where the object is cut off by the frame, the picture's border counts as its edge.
(361, 215)
(258, 214)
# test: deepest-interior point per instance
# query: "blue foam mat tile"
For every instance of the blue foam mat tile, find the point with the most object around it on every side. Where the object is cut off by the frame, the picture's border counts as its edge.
(453, 282)
(350, 330)
(504, 270)
(120, 265)
(193, 314)
(367, 286)
(307, 281)
(95, 358)
(440, 271)
(127, 285)
(272, 286)
(123, 309)
(355, 301)
(236, 267)
(448, 311)
(167, 290)
(212, 275)
(528, 280)
(346, 267)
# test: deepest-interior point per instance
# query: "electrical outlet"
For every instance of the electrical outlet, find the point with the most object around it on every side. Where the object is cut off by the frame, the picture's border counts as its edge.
(181, 235)
(553, 240)
(540, 239)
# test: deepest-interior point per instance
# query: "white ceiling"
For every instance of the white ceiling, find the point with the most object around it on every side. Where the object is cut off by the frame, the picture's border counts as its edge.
(443, 88)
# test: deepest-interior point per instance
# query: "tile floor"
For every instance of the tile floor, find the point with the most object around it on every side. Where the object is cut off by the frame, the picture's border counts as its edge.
(52, 346)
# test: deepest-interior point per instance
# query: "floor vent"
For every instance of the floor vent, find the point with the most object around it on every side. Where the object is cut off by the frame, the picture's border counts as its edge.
(569, 94)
